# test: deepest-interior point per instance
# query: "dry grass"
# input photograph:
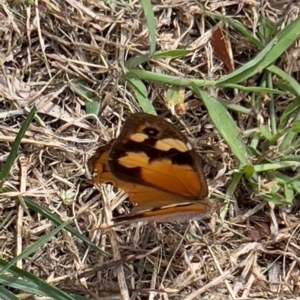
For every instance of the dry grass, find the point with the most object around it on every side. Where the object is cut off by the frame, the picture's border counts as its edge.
(63, 56)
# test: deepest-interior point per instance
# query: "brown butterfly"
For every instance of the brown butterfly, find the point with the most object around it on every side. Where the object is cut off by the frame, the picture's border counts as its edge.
(155, 164)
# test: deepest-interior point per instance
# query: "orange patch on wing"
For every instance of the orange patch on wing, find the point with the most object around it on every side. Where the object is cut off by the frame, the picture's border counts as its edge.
(178, 179)
(133, 160)
(138, 137)
(162, 174)
(147, 197)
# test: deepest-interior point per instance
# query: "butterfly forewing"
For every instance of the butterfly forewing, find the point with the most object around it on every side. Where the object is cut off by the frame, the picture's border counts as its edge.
(152, 152)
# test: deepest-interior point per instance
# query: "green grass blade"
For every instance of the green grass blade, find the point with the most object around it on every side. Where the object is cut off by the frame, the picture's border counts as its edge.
(34, 247)
(45, 213)
(294, 84)
(136, 61)
(167, 79)
(141, 95)
(186, 82)
(6, 220)
(267, 56)
(224, 124)
(6, 294)
(275, 166)
(32, 284)
(238, 27)
(80, 88)
(150, 20)
(177, 53)
(15, 146)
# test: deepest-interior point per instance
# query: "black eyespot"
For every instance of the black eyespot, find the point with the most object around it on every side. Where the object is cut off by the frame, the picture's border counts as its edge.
(151, 131)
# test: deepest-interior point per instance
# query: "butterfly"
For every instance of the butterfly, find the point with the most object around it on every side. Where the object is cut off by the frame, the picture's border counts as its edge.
(157, 167)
